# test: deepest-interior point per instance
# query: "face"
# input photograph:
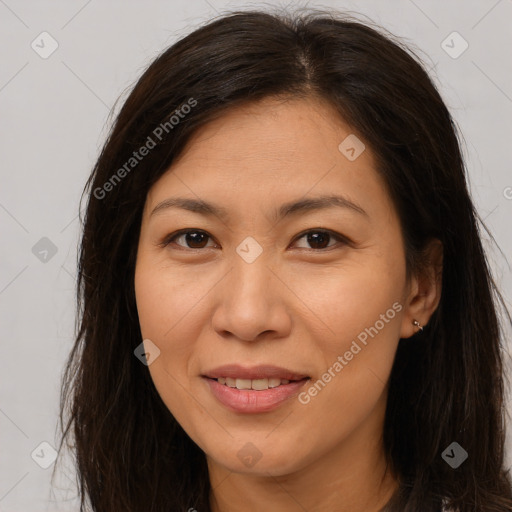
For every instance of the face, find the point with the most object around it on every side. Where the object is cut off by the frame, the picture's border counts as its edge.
(314, 290)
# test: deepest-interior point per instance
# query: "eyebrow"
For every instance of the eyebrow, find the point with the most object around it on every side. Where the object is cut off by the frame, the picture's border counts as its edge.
(293, 207)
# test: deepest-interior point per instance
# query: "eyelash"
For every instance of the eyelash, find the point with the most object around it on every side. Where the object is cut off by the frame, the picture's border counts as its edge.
(170, 238)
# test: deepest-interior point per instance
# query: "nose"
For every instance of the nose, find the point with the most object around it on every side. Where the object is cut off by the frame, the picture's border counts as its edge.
(251, 303)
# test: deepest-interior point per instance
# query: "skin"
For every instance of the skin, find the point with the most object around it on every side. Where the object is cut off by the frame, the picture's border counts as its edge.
(298, 305)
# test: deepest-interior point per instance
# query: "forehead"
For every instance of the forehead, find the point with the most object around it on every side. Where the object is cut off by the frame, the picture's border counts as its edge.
(271, 128)
(273, 150)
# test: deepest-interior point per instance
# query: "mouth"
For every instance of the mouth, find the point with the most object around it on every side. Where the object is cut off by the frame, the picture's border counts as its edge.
(255, 389)
(255, 384)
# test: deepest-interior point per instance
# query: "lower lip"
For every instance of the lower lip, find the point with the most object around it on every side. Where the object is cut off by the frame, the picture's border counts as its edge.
(251, 401)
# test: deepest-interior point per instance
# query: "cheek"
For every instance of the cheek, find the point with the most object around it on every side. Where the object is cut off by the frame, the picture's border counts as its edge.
(360, 308)
(352, 388)
(164, 310)
(167, 298)
(340, 302)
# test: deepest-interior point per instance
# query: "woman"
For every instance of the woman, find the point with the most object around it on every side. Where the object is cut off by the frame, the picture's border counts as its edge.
(284, 300)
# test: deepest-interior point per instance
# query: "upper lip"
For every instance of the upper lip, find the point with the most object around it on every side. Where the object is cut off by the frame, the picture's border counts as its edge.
(266, 371)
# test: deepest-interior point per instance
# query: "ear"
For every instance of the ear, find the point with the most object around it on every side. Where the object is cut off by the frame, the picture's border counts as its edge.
(424, 289)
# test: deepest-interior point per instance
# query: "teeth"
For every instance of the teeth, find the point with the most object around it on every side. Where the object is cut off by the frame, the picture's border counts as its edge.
(243, 383)
(273, 383)
(256, 384)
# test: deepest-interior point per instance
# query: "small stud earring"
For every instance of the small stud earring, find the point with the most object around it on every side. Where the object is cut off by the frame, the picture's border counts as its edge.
(417, 324)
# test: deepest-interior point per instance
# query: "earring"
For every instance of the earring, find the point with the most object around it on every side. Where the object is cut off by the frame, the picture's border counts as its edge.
(417, 324)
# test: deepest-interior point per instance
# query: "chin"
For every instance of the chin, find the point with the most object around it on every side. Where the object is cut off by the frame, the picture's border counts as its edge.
(249, 459)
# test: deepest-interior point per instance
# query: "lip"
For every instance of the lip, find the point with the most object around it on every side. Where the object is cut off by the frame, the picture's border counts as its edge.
(266, 371)
(252, 401)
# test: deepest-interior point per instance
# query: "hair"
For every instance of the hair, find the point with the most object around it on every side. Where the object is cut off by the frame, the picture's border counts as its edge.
(446, 385)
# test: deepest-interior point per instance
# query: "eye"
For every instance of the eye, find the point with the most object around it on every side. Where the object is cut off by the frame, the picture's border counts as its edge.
(319, 239)
(193, 238)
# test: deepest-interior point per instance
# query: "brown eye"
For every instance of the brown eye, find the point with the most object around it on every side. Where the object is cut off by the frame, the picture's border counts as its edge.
(191, 239)
(316, 240)
(320, 239)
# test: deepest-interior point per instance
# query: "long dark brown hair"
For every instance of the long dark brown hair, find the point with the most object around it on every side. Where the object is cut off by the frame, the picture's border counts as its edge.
(447, 386)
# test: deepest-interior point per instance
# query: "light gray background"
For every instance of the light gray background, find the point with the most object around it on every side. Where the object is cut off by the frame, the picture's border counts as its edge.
(53, 115)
